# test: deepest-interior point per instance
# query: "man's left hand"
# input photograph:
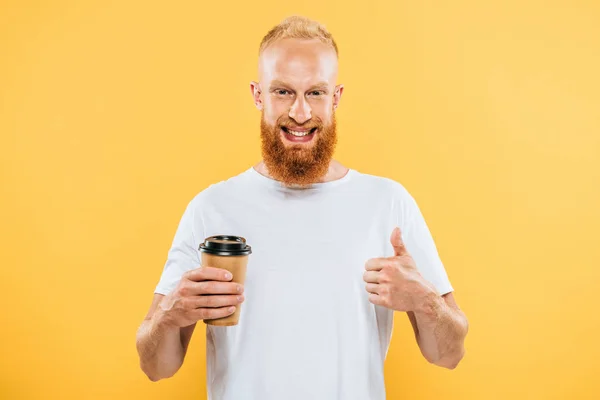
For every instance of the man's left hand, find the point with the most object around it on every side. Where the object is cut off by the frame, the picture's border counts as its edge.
(395, 282)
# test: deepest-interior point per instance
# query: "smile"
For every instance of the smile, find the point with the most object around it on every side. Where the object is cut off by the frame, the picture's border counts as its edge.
(298, 136)
(299, 133)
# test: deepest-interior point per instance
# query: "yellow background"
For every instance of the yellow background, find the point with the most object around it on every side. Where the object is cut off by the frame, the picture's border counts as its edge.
(114, 114)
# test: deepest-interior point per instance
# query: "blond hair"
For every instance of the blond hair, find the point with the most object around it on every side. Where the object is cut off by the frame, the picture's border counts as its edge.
(298, 27)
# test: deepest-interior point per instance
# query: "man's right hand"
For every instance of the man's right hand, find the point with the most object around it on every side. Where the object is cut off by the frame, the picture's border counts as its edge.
(202, 293)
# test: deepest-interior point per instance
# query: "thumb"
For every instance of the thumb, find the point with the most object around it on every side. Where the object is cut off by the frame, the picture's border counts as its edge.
(398, 243)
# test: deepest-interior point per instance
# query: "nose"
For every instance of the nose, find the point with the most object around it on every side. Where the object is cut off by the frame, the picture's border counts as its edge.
(300, 111)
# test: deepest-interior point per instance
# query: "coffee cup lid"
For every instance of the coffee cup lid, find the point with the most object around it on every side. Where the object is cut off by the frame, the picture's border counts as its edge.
(225, 245)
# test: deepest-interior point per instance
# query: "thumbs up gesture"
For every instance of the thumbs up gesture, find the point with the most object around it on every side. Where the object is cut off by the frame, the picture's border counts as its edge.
(395, 282)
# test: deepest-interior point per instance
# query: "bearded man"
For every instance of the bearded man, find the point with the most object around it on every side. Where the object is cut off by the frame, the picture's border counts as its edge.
(334, 253)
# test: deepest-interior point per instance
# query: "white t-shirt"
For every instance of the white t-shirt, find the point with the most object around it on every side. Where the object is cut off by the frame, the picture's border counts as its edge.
(306, 329)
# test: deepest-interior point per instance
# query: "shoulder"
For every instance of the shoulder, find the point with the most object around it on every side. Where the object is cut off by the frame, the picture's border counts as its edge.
(382, 185)
(220, 191)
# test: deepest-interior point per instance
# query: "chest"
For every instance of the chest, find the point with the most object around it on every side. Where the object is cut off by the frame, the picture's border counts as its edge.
(295, 238)
(307, 261)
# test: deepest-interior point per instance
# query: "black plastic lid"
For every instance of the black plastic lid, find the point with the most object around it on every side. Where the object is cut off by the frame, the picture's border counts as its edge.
(225, 245)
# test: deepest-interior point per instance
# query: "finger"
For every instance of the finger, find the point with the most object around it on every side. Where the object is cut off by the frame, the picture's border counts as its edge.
(376, 264)
(376, 299)
(206, 273)
(212, 313)
(398, 243)
(373, 288)
(371, 276)
(216, 300)
(214, 287)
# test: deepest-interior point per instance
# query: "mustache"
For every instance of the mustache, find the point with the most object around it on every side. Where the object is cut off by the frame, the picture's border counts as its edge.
(290, 124)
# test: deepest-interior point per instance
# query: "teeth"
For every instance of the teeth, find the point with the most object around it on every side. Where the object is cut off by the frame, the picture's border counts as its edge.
(298, 134)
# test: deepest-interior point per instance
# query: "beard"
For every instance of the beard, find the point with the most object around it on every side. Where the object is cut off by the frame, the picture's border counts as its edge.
(298, 165)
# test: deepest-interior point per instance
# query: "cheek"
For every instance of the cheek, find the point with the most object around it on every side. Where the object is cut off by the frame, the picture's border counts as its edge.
(273, 112)
(323, 109)
(324, 115)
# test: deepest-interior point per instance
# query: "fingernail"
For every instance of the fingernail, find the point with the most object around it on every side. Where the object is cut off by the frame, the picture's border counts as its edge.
(228, 275)
(239, 289)
(240, 298)
(231, 309)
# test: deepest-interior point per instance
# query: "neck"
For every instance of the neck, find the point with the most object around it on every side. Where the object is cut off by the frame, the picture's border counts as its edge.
(335, 171)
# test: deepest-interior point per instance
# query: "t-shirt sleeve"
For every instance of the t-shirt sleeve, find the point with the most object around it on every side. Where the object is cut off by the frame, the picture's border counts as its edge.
(419, 243)
(183, 254)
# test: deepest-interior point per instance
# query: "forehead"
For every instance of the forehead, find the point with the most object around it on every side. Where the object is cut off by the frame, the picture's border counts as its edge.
(298, 62)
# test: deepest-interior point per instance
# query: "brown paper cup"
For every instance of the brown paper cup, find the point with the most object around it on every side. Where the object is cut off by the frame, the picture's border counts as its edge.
(229, 253)
(237, 266)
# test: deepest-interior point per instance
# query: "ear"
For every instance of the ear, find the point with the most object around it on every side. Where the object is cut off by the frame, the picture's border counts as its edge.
(256, 94)
(337, 95)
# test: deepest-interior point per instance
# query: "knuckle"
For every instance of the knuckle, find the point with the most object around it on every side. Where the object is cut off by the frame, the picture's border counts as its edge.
(189, 275)
(218, 312)
(215, 313)
(210, 301)
(208, 313)
(204, 287)
(183, 290)
(384, 276)
(203, 313)
(184, 303)
(212, 287)
(375, 298)
(391, 270)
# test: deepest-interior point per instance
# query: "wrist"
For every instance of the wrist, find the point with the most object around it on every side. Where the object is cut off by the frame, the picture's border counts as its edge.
(161, 320)
(430, 306)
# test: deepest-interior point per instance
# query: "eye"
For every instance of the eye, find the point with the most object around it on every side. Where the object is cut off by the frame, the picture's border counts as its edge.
(316, 93)
(281, 92)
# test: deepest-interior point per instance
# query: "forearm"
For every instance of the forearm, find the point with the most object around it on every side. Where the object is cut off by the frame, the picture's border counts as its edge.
(441, 332)
(160, 349)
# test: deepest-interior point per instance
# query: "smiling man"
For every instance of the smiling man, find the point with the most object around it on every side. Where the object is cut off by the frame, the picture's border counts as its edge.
(297, 102)
(334, 253)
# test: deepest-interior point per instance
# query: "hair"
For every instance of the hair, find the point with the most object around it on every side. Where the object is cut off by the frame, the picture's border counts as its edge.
(298, 27)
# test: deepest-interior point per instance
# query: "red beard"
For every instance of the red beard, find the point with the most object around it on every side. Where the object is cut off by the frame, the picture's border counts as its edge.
(295, 164)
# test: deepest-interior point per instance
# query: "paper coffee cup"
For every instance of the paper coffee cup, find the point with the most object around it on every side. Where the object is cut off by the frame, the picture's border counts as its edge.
(229, 253)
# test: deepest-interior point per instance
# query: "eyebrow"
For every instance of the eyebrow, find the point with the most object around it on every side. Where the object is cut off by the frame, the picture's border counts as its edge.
(319, 85)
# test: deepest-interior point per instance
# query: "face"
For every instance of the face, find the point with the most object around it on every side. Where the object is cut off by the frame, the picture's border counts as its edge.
(297, 96)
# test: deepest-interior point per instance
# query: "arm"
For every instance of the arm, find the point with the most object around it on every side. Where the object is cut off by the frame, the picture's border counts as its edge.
(439, 324)
(161, 347)
(440, 328)
(163, 337)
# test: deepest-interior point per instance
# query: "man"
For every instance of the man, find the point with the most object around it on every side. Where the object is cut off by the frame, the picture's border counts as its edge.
(334, 253)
